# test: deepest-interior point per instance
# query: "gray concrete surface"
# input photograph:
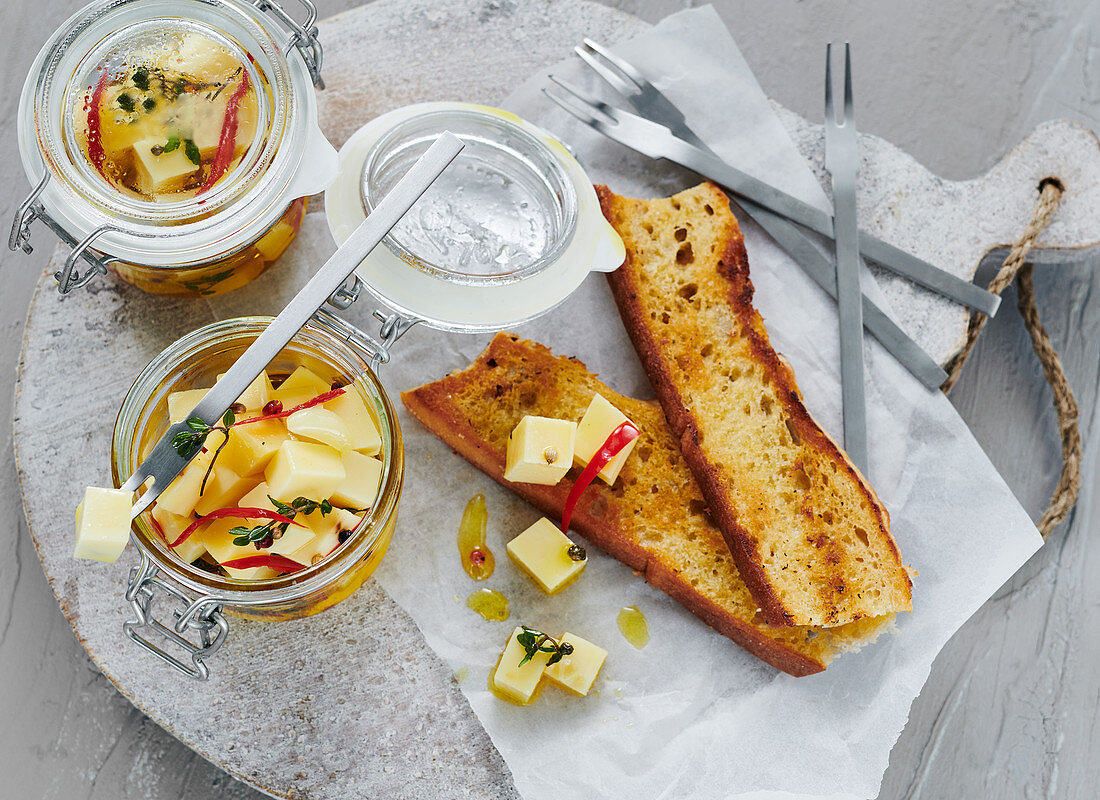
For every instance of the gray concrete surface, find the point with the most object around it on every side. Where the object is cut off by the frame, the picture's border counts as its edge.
(1011, 709)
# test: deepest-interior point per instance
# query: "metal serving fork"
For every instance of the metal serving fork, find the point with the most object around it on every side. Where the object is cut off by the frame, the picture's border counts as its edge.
(842, 161)
(647, 99)
(656, 140)
(165, 462)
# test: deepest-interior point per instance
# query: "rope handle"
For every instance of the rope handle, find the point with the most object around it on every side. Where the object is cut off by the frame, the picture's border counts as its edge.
(1015, 267)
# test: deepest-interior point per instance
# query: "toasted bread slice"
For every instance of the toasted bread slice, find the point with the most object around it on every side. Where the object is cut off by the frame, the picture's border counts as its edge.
(807, 532)
(654, 519)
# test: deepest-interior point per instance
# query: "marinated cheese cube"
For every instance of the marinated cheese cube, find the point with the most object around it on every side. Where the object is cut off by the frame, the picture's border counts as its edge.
(103, 524)
(219, 544)
(304, 469)
(180, 404)
(318, 424)
(577, 671)
(159, 174)
(300, 386)
(508, 678)
(293, 538)
(202, 55)
(259, 496)
(315, 549)
(255, 397)
(251, 447)
(360, 488)
(224, 488)
(118, 134)
(542, 551)
(183, 493)
(364, 432)
(598, 422)
(173, 526)
(326, 534)
(540, 450)
(194, 116)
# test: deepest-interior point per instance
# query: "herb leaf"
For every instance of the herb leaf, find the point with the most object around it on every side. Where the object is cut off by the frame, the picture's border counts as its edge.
(533, 641)
(173, 143)
(141, 78)
(229, 418)
(148, 103)
(126, 102)
(282, 508)
(191, 150)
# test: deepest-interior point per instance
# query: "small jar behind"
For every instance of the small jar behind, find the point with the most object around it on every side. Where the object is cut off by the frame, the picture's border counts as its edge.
(194, 361)
(173, 142)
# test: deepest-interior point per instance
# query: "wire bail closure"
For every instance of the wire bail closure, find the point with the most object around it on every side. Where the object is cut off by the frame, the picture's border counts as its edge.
(376, 348)
(68, 278)
(202, 615)
(304, 35)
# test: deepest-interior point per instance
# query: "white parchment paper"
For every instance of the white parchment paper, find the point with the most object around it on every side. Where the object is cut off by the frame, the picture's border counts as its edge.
(691, 714)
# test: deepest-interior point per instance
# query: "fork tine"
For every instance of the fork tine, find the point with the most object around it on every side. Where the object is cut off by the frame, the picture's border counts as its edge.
(134, 482)
(593, 103)
(849, 111)
(625, 67)
(145, 500)
(612, 78)
(830, 113)
(569, 107)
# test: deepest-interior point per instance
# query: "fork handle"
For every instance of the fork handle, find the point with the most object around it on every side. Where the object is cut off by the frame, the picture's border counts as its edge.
(821, 270)
(778, 201)
(850, 314)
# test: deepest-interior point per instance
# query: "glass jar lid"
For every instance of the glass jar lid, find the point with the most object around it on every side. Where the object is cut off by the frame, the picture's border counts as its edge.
(504, 210)
(508, 231)
(177, 129)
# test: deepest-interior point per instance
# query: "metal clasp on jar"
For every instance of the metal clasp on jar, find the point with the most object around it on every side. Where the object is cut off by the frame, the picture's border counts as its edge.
(68, 278)
(303, 35)
(202, 617)
(377, 349)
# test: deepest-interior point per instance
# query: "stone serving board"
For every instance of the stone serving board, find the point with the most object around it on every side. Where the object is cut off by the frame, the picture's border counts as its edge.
(352, 702)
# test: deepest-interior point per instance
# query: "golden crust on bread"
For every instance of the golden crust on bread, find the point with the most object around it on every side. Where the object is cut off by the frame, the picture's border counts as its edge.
(807, 532)
(654, 519)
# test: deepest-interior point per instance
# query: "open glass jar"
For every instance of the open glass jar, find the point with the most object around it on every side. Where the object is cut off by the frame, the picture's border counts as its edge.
(173, 142)
(326, 346)
(508, 232)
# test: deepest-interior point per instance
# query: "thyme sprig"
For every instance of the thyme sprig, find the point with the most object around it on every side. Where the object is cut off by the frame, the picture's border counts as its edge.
(265, 535)
(188, 443)
(533, 642)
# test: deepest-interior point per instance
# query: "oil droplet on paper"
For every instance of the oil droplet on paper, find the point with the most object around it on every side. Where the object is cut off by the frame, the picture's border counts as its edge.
(489, 603)
(633, 626)
(461, 674)
(477, 558)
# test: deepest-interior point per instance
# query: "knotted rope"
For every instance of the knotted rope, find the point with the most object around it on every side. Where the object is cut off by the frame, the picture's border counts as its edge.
(1014, 267)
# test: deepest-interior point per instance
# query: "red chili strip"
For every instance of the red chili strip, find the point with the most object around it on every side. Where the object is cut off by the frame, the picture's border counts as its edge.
(95, 132)
(316, 401)
(276, 562)
(243, 512)
(612, 446)
(227, 141)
